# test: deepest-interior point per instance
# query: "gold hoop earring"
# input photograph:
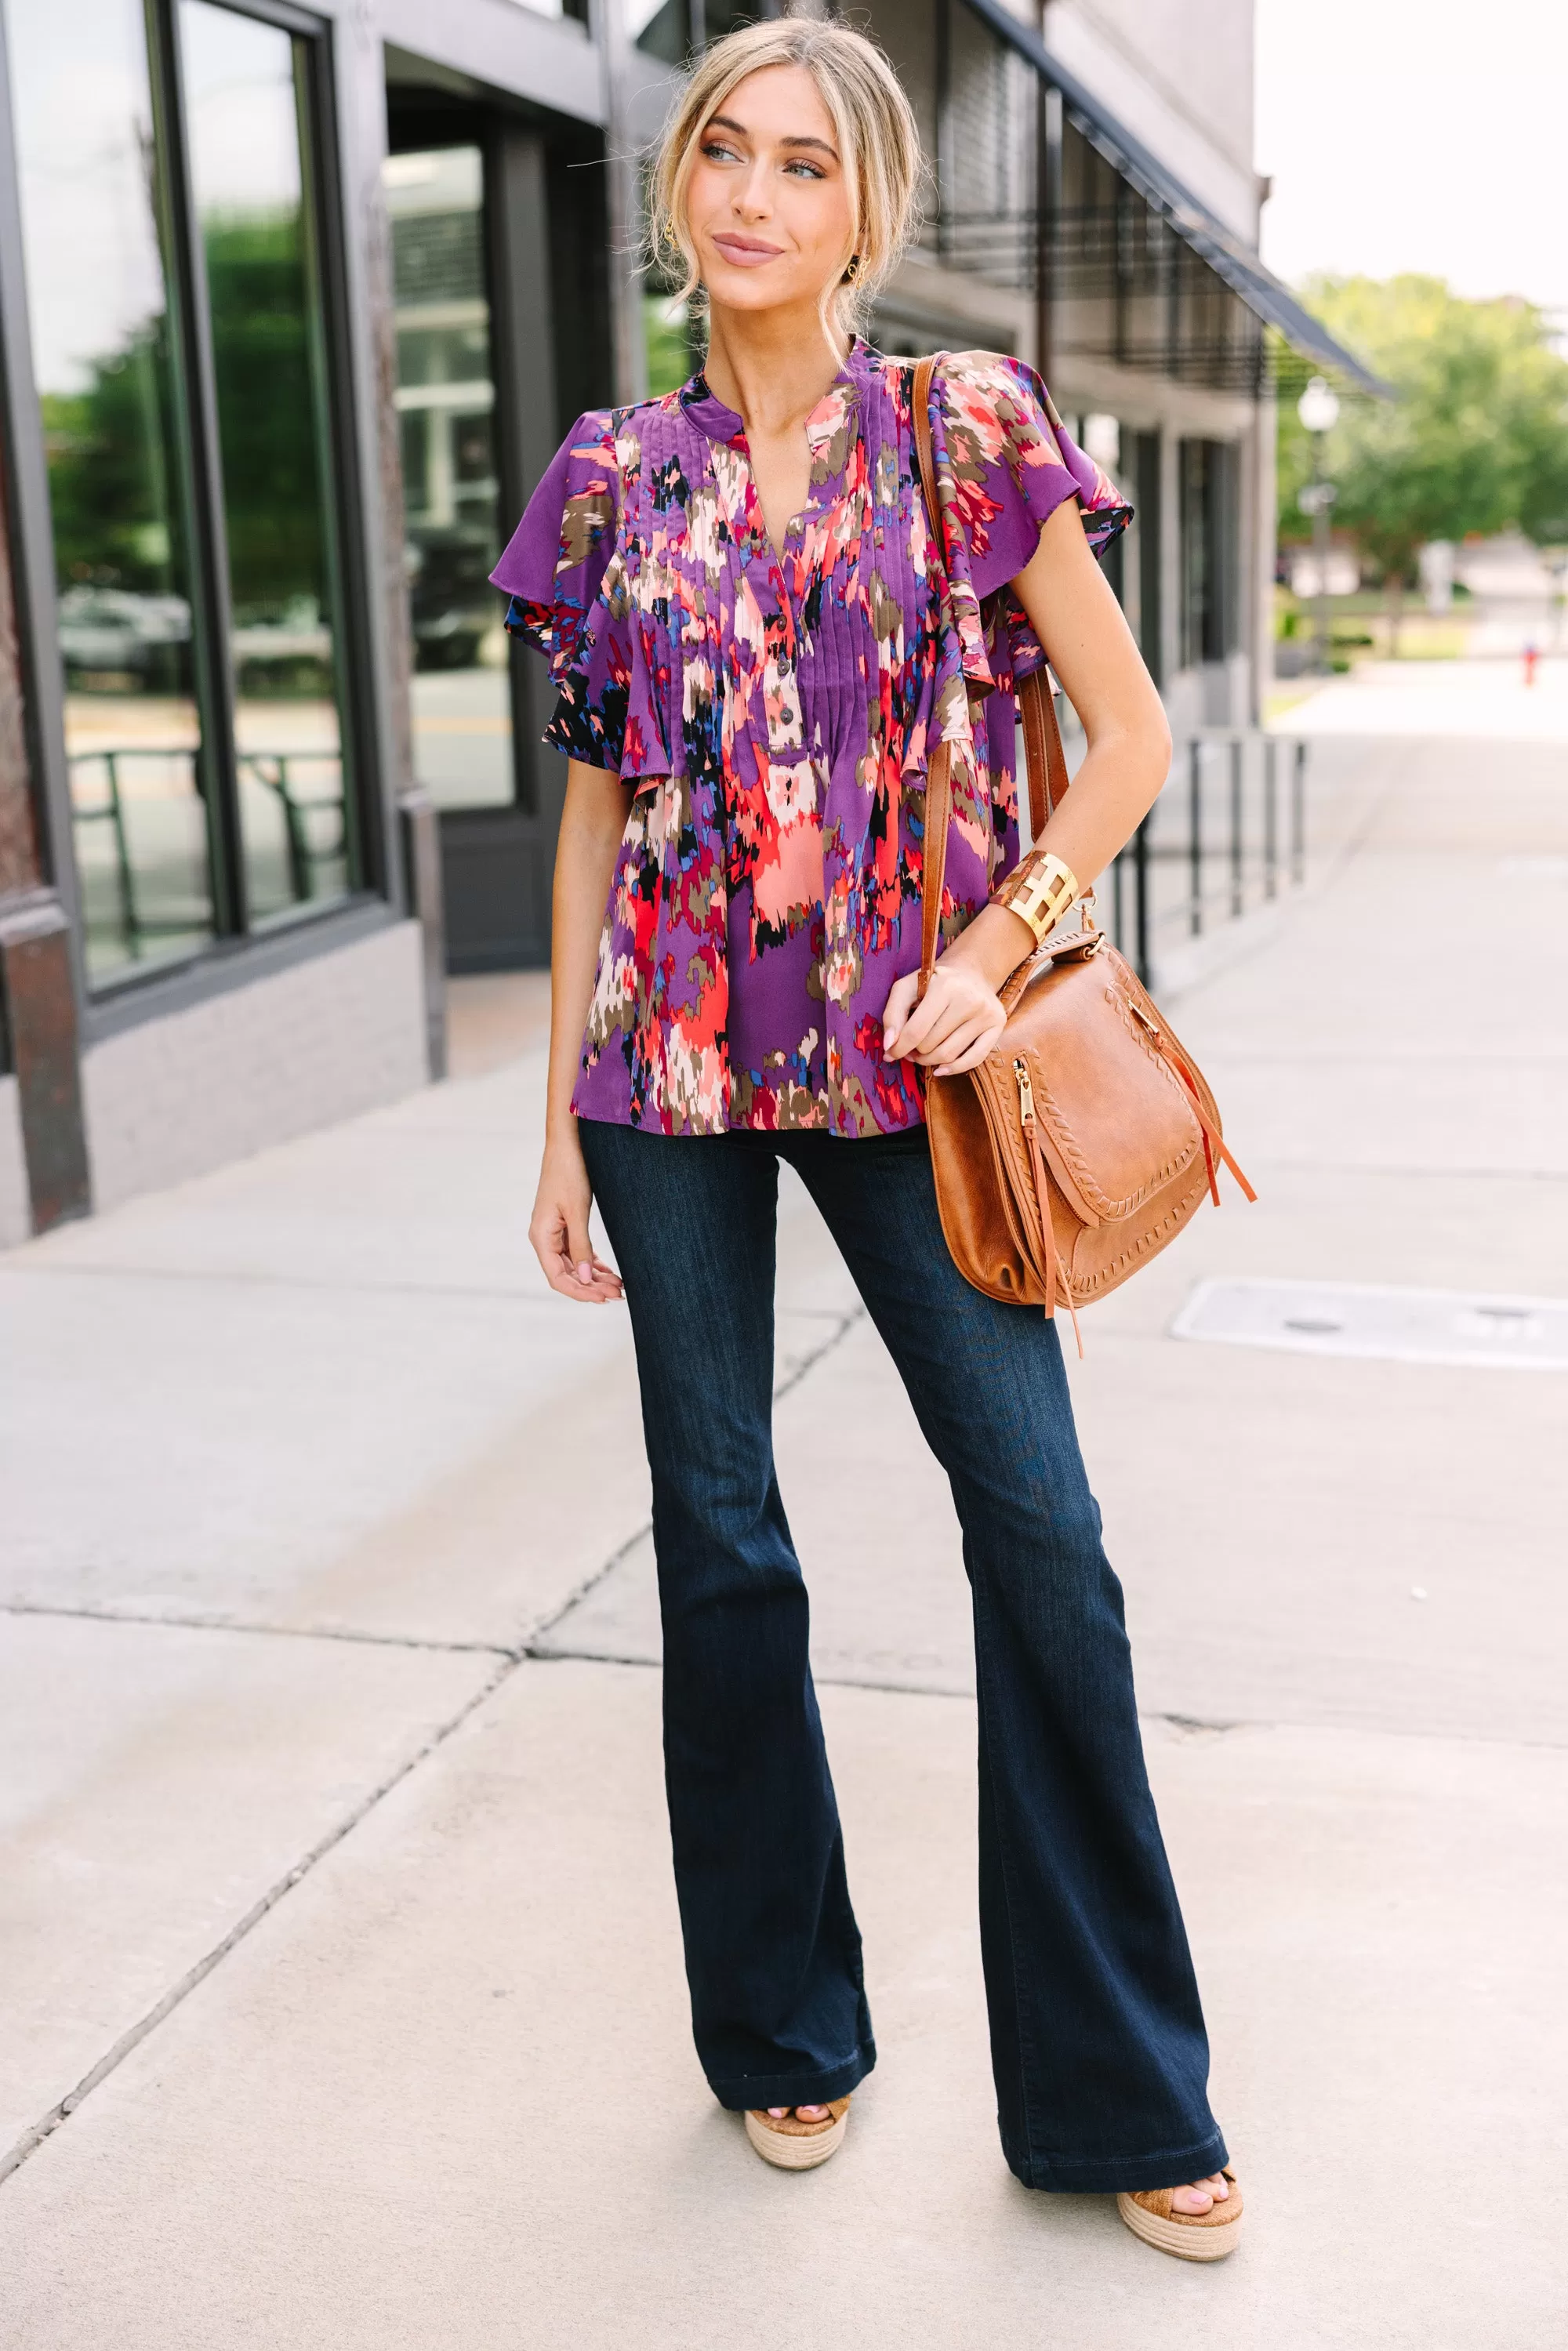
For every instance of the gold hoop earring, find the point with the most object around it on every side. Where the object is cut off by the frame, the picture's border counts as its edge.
(852, 272)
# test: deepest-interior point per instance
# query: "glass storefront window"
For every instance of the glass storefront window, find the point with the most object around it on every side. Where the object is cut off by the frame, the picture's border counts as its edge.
(104, 351)
(446, 405)
(170, 227)
(244, 111)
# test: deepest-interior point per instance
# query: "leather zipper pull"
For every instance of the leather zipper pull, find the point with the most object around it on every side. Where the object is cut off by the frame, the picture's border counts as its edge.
(1054, 1276)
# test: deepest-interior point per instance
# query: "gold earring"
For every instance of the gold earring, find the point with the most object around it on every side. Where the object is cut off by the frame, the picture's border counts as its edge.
(852, 272)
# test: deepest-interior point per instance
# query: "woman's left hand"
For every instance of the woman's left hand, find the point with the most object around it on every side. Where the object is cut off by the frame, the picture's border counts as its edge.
(953, 1028)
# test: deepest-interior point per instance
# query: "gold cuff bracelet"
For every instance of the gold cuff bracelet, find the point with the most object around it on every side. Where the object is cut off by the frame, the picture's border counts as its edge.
(1039, 892)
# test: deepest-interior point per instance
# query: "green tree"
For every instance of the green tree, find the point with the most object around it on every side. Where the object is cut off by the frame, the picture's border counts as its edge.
(262, 360)
(1474, 440)
(111, 464)
(1543, 470)
(113, 476)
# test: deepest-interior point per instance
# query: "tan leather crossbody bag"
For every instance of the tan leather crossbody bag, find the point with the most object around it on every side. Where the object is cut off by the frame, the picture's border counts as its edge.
(1087, 1137)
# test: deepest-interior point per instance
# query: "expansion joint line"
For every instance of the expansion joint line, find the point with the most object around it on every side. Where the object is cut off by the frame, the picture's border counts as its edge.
(48, 2124)
(508, 1662)
(189, 1621)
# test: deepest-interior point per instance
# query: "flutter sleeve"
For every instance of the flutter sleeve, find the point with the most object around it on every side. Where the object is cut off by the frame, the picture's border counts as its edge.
(561, 581)
(1004, 464)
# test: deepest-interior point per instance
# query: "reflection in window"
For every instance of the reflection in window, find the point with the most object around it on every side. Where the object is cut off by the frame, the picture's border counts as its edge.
(446, 409)
(721, 17)
(104, 358)
(662, 28)
(244, 106)
(671, 29)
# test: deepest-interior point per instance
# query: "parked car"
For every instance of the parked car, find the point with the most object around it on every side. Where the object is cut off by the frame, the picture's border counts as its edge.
(452, 604)
(117, 633)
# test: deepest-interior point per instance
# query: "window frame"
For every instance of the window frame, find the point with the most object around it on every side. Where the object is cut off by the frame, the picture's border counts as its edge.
(236, 954)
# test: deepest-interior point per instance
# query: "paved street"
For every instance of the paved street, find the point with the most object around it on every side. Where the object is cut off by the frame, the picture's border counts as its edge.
(338, 1904)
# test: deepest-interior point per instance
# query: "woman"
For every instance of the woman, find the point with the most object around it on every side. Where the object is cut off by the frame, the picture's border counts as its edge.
(755, 641)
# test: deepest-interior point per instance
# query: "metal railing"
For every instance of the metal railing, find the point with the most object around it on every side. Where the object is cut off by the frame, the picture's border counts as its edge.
(303, 856)
(135, 925)
(1228, 833)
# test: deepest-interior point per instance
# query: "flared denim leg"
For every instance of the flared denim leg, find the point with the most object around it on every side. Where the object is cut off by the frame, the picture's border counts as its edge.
(1097, 2037)
(772, 1951)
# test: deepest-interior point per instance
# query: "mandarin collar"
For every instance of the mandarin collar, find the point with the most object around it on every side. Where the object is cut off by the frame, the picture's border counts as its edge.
(720, 423)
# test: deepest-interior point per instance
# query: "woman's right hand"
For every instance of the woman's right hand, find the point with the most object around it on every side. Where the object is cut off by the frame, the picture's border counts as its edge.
(559, 1228)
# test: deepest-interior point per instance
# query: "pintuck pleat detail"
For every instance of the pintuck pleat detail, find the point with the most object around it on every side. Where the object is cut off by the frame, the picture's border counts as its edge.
(777, 711)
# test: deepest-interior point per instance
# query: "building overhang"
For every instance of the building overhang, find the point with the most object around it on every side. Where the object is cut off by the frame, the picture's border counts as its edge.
(1233, 262)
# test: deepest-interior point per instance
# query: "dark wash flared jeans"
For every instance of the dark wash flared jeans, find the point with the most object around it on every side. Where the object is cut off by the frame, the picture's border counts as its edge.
(1097, 2038)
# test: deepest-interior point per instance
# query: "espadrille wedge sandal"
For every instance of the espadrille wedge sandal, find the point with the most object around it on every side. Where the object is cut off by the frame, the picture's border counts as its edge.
(1190, 2236)
(795, 2146)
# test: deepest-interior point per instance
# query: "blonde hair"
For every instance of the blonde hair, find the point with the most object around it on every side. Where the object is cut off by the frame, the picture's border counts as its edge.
(873, 123)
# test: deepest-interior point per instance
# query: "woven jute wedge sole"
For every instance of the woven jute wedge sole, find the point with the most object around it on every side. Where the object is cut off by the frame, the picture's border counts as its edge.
(1190, 2236)
(795, 2146)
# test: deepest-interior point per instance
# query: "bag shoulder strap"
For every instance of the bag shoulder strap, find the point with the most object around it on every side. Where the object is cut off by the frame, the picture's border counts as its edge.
(1043, 753)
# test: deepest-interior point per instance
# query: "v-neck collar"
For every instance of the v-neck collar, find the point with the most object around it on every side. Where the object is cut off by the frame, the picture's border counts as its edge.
(724, 424)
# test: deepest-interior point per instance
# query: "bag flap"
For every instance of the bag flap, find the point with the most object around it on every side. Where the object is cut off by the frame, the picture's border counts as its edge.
(1116, 1123)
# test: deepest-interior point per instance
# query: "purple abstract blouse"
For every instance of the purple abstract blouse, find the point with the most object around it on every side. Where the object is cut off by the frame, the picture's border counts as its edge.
(773, 713)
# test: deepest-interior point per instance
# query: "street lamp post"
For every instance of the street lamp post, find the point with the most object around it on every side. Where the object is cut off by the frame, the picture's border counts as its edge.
(1318, 409)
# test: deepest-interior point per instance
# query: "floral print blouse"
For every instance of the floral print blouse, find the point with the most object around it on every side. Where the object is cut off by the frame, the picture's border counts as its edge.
(774, 712)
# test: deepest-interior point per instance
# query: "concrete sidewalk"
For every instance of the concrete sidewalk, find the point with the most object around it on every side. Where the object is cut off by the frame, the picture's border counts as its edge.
(332, 1804)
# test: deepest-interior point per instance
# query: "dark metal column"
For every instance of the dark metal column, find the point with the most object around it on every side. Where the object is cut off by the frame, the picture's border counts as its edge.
(418, 842)
(201, 464)
(529, 430)
(498, 862)
(1195, 835)
(40, 971)
(1048, 213)
(943, 157)
(37, 991)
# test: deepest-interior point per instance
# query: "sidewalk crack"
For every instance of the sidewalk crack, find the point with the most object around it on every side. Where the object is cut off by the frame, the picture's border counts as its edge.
(507, 1663)
(193, 1623)
(48, 2124)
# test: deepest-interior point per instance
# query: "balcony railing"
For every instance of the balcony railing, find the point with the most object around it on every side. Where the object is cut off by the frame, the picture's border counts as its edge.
(1228, 835)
